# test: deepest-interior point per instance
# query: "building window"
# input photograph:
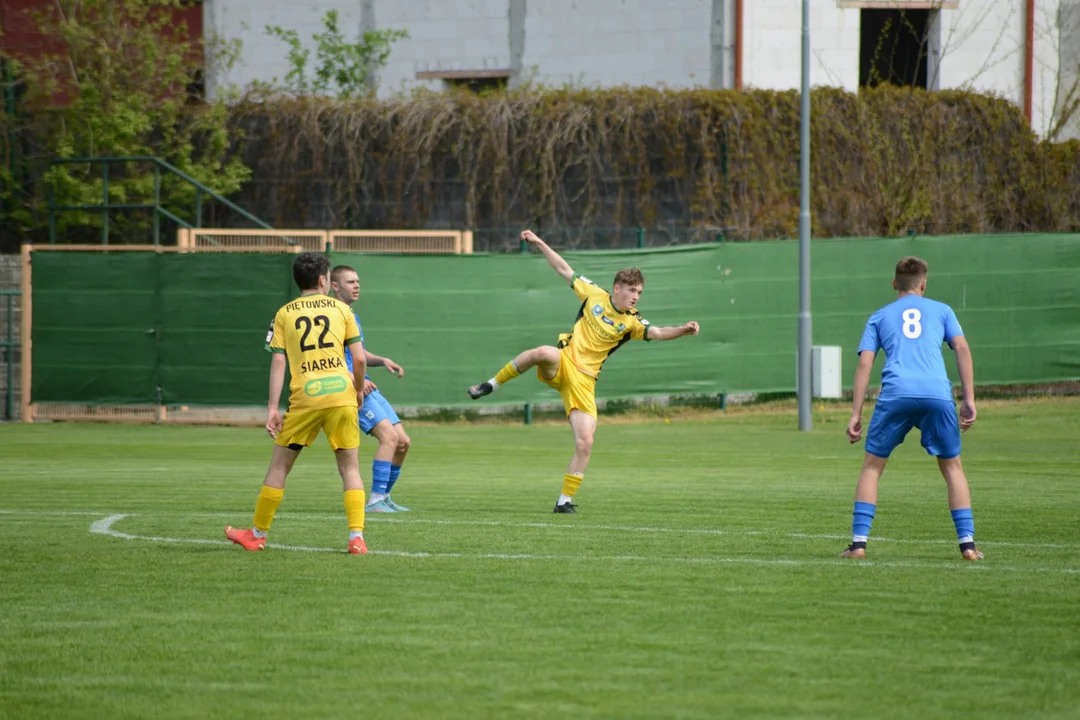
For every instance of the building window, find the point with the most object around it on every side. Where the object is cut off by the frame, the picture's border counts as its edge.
(478, 81)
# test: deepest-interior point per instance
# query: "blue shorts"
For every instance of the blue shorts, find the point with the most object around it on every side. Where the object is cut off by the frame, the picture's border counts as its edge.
(894, 417)
(375, 410)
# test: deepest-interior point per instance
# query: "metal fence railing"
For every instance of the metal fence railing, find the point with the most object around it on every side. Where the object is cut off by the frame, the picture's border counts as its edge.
(9, 352)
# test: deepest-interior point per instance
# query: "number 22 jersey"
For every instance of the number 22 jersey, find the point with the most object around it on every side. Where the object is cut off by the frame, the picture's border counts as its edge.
(313, 332)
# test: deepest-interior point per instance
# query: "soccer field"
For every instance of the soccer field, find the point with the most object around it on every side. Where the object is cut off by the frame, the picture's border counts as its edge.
(699, 580)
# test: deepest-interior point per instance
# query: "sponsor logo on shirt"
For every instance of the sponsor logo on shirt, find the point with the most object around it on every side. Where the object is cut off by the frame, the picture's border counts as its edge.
(325, 386)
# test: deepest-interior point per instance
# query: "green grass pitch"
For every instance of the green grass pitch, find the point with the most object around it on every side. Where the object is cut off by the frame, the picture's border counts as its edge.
(699, 580)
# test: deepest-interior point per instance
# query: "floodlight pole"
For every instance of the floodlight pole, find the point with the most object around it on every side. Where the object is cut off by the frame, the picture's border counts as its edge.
(805, 325)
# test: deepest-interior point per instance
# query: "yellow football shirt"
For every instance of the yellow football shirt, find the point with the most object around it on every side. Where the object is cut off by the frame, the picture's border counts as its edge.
(313, 331)
(599, 328)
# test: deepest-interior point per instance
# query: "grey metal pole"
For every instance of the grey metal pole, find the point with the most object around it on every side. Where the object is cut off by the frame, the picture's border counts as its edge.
(805, 324)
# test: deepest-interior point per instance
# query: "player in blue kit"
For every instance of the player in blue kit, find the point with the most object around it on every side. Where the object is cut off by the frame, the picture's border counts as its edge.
(377, 417)
(915, 392)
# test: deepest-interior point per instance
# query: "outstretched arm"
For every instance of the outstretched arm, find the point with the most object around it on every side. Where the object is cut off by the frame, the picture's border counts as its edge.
(670, 333)
(561, 266)
(374, 360)
(966, 368)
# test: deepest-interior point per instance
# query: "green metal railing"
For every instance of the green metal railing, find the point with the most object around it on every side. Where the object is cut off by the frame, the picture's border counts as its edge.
(625, 237)
(159, 165)
(9, 345)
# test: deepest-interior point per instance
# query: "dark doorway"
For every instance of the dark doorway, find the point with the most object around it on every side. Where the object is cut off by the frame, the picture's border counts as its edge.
(893, 47)
(479, 85)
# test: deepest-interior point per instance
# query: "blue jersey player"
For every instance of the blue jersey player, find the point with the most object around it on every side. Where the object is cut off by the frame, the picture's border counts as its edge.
(915, 392)
(377, 417)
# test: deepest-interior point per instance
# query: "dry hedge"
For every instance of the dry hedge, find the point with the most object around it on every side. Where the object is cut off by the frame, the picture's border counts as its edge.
(588, 167)
(885, 161)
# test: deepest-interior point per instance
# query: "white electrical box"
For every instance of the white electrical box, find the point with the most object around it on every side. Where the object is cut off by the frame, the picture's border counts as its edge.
(825, 371)
(825, 364)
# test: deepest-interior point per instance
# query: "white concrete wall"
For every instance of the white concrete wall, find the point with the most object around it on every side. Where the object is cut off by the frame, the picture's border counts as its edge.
(618, 42)
(457, 35)
(1057, 65)
(444, 35)
(982, 48)
(264, 58)
(648, 42)
(772, 35)
(587, 42)
(1045, 68)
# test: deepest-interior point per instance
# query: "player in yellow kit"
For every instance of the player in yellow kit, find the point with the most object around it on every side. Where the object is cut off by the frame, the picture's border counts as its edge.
(604, 323)
(310, 334)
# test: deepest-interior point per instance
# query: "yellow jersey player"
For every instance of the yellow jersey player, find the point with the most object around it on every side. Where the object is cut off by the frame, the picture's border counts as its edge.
(311, 334)
(604, 323)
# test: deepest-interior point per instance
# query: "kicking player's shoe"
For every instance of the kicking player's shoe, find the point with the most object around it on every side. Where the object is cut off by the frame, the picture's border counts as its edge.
(971, 554)
(379, 506)
(566, 507)
(394, 506)
(478, 391)
(245, 538)
(856, 553)
(357, 546)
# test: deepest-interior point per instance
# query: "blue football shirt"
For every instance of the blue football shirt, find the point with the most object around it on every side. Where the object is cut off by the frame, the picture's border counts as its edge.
(348, 355)
(911, 331)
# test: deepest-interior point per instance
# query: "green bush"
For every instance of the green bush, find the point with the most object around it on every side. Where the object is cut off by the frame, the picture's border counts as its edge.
(584, 164)
(115, 79)
(886, 161)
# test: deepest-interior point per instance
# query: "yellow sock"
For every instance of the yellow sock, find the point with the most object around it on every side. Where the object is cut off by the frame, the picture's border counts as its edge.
(508, 373)
(354, 510)
(571, 483)
(266, 506)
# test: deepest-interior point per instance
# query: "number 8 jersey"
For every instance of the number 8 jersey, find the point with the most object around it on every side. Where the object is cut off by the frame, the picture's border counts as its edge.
(911, 331)
(313, 332)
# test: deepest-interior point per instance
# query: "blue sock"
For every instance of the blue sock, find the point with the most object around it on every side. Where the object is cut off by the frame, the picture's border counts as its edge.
(965, 525)
(395, 471)
(861, 520)
(380, 476)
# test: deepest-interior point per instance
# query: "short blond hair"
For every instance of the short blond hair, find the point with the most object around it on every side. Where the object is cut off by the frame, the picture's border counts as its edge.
(910, 271)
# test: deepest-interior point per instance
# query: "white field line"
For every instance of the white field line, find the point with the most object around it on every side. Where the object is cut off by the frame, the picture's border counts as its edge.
(104, 526)
(561, 526)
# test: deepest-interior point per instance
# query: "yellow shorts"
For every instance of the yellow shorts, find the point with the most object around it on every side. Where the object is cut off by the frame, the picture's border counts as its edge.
(578, 390)
(341, 425)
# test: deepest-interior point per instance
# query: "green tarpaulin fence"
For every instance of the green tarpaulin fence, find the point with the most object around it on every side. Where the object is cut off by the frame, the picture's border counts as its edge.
(189, 328)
